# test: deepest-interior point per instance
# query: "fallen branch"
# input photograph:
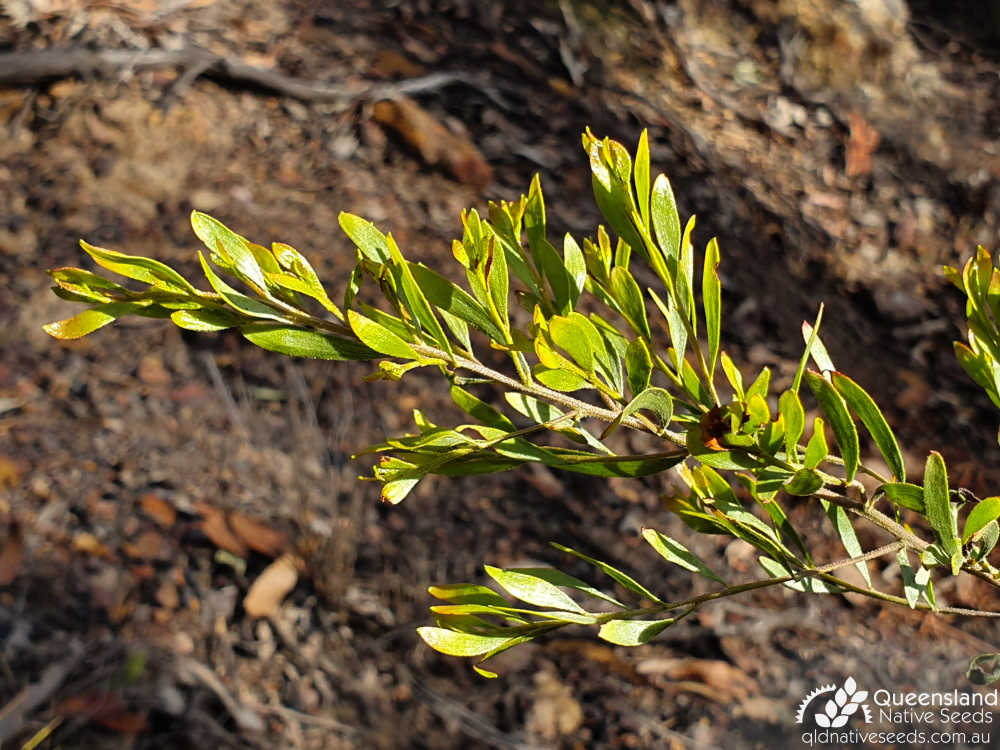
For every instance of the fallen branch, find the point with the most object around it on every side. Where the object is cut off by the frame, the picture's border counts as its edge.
(25, 68)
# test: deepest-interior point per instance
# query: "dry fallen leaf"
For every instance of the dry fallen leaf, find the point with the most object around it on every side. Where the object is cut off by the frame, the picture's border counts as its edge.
(435, 143)
(91, 545)
(271, 587)
(10, 472)
(258, 536)
(863, 141)
(213, 524)
(11, 554)
(722, 677)
(104, 708)
(158, 509)
(152, 371)
(150, 545)
(555, 712)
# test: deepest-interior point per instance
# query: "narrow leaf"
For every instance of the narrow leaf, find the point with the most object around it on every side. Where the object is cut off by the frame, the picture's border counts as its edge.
(365, 237)
(626, 292)
(904, 494)
(379, 338)
(639, 365)
(835, 409)
(625, 580)
(675, 552)
(449, 297)
(480, 409)
(813, 333)
(838, 516)
(871, 417)
(454, 643)
(712, 301)
(632, 632)
(299, 342)
(467, 593)
(986, 510)
(816, 449)
(666, 222)
(141, 269)
(790, 408)
(816, 349)
(525, 585)
(654, 399)
(558, 578)
(204, 320)
(939, 509)
(232, 249)
(803, 483)
(90, 320)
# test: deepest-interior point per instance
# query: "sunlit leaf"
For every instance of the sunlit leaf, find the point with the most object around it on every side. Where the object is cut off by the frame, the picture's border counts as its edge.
(526, 585)
(576, 268)
(204, 320)
(673, 551)
(230, 248)
(666, 222)
(816, 448)
(653, 399)
(790, 408)
(986, 510)
(835, 409)
(816, 348)
(904, 494)
(467, 593)
(712, 301)
(571, 337)
(460, 644)
(299, 342)
(237, 300)
(838, 517)
(365, 236)
(803, 483)
(642, 176)
(379, 338)
(626, 291)
(563, 381)
(639, 366)
(141, 269)
(632, 632)
(90, 320)
(623, 578)
(939, 508)
(871, 417)
(813, 334)
(733, 375)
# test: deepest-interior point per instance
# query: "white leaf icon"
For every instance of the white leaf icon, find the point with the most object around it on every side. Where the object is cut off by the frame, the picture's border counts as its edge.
(822, 721)
(839, 722)
(831, 709)
(850, 685)
(849, 709)
(860, 696)
(841, 697)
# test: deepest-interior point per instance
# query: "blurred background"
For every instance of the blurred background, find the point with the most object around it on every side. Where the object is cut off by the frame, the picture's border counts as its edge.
(841, 152)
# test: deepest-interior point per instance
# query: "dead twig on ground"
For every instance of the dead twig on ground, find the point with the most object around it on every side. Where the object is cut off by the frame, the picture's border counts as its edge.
(28, 68)
(14, 714)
